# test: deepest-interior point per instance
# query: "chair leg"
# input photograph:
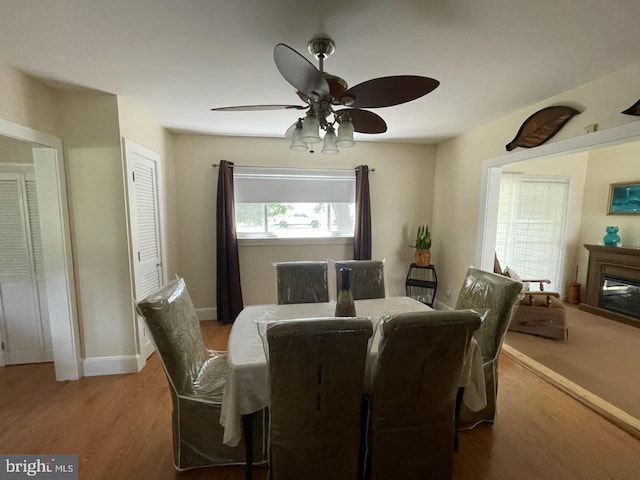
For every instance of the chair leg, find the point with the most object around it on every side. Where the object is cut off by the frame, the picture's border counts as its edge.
(459, 396)
(247, 433)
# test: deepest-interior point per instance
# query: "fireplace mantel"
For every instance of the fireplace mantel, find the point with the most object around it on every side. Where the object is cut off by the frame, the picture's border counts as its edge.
(618, 262)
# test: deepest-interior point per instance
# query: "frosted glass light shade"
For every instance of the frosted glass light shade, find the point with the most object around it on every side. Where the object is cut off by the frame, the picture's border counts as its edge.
(345, 134)
(330, 147)
(310, 130)
(297, 143)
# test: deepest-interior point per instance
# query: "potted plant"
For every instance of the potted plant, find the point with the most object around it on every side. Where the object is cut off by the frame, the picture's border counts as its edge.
(422, 254)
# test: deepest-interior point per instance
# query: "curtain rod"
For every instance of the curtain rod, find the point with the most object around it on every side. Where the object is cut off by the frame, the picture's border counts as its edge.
(216, 165)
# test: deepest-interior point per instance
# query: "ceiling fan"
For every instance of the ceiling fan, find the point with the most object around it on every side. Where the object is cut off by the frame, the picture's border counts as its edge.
(330, 103)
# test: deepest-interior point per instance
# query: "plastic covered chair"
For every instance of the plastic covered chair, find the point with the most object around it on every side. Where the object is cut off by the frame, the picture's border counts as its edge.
(196, 379)
(301, 282)
(499, 296)
(316, 375)
(412, 404)
(367, 278)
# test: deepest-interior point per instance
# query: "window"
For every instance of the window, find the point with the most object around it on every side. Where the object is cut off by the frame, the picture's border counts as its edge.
(531, 225)
(294, 203)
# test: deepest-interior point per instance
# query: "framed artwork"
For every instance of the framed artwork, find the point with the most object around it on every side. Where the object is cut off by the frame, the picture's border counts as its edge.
(624, 198)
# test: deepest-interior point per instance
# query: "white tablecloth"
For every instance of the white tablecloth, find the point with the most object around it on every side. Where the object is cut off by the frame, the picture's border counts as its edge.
(246, 390)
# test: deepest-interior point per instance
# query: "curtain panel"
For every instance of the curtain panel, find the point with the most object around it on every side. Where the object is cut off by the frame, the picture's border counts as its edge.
(229, 293)
(362, 230)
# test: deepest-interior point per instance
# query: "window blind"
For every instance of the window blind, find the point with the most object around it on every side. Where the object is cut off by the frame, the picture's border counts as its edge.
(279, 185)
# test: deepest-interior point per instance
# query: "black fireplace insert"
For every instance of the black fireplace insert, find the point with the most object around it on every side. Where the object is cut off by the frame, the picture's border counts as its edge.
(620, 295)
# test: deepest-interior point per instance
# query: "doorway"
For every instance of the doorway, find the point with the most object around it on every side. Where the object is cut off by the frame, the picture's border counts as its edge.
(48, 164)
(24, 317)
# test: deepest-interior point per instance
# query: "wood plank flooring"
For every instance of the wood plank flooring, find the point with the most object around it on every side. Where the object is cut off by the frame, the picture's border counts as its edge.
(120, 426)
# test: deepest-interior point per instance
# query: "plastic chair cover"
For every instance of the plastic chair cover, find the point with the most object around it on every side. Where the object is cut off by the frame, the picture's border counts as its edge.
(196, 379)
(367, 278)
(301, 282)
(316, 374)
(500, 296)
(412, 405)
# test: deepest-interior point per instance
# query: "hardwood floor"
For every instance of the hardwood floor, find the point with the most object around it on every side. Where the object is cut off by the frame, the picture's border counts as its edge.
(120, 427)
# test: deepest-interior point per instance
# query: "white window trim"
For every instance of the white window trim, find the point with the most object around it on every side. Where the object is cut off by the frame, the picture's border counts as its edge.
(280, 241)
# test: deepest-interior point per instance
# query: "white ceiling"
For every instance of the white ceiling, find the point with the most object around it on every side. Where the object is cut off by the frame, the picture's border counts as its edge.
(179, 58)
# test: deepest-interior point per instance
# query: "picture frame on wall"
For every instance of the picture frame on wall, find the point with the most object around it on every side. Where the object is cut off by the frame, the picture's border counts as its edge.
(624, 198)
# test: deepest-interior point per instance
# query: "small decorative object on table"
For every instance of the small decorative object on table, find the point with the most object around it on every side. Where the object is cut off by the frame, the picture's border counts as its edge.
(612, 238)
(422, 255)
(345, 306)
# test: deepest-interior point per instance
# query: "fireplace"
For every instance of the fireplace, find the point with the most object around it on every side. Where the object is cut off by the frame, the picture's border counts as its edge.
(613, 283)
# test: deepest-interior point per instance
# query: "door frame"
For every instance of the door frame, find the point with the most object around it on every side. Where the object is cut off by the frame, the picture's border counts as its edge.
(491, 171)
(48, 162)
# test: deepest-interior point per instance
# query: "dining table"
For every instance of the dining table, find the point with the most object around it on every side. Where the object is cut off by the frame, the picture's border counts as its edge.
(247, 387)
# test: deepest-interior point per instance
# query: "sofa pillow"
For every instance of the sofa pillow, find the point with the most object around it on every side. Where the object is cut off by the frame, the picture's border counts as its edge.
(508, 272)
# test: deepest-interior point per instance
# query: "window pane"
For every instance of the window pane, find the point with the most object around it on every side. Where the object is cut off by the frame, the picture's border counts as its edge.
(285, 202)
(531, 224)
(309, 219)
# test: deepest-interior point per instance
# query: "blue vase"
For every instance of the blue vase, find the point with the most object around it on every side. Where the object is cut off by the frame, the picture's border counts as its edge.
(612, 238)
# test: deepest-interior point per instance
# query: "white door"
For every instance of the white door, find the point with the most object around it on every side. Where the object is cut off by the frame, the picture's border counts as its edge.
(143, 189)
(24, 320)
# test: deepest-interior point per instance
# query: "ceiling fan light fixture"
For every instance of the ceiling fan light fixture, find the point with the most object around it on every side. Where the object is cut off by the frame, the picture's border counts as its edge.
(330, 147)
(297, 144)
(345, 134)
(311, 129)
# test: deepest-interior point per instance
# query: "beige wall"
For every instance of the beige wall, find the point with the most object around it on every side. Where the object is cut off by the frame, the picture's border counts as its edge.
(89, 126)
(401, 198)
(26, 101)
(15, 151)
(606, 166)
(139, 127)
(458, 167)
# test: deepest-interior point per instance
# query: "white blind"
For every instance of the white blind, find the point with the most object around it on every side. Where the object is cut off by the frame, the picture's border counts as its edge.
(279, 185)
(146, 212)
(14, 252)
(531, 225)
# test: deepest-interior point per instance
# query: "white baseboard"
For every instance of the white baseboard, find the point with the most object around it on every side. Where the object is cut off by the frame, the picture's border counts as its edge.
(94, 366)
(207, 313)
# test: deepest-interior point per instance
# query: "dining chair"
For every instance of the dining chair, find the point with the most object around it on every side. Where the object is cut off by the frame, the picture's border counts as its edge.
(196, 378)
(498, 297)
(301, 282)
(413, 394)
(367, 278)
(316, 373)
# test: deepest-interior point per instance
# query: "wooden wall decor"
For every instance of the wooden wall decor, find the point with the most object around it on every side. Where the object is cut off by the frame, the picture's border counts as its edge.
(633, 109)
(541, 126)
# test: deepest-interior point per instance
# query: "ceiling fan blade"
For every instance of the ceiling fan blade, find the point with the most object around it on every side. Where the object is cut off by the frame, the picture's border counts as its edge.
(299, 71)
(388, 91)
(254, 108)
(365, 121)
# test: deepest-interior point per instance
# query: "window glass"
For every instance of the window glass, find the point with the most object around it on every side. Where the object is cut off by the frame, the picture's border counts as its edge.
(531, 226)
(294, 203)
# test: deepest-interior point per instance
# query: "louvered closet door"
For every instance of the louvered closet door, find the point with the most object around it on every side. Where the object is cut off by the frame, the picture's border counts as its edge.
(22, 288)
(144, 210)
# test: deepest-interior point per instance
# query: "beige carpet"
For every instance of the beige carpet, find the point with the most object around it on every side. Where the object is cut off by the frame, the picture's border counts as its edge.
(602, 356)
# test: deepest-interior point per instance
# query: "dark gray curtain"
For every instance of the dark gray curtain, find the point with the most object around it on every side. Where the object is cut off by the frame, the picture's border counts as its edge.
(362, 231)
(229, 293)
